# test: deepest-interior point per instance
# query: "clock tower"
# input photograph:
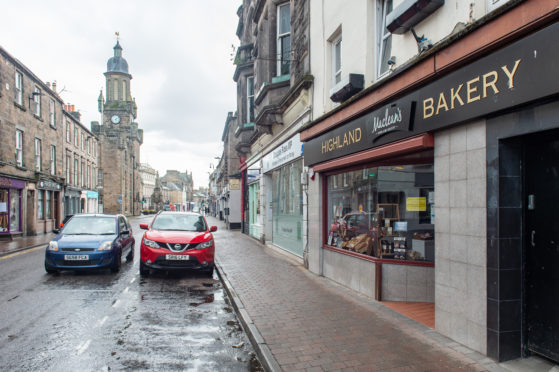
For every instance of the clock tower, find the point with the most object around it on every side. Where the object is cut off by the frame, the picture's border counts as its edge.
(120, 139)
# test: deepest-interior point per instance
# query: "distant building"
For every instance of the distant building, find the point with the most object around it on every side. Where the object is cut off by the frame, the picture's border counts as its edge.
(148, 176)
(175, 181)
(120, 140)
(79, 165)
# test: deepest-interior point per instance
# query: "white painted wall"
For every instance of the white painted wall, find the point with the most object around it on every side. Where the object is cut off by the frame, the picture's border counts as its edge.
(357, 20)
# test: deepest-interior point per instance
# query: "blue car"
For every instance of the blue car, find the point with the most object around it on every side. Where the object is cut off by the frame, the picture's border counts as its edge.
(90, 241)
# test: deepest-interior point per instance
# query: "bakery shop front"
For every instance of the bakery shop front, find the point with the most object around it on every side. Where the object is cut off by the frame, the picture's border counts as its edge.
(445, 191)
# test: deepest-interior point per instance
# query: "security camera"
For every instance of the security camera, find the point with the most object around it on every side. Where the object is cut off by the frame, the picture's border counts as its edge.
(391, 61)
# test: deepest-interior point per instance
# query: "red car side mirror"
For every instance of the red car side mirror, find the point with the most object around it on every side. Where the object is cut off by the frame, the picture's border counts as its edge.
(213, 228)
(144, 226)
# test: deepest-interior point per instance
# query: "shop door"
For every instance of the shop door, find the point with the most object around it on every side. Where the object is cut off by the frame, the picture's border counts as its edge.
(542, 244)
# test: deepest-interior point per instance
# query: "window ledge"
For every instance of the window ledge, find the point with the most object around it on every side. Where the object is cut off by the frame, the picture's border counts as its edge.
(38, 117)
(380, 260)
(19, 106)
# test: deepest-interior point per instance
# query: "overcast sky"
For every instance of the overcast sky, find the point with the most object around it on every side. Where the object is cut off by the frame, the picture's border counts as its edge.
(178, 52)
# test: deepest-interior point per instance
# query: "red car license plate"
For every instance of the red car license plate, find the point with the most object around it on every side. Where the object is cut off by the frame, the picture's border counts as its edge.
(177, 257)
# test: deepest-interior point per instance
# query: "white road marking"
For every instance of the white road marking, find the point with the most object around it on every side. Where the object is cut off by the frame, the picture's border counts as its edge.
(83, 347)
(126, 289)
(133, 280)
(102, 321)
(117, 302)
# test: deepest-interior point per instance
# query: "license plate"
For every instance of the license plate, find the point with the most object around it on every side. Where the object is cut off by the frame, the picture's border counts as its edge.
(76, 257)
(177, 257)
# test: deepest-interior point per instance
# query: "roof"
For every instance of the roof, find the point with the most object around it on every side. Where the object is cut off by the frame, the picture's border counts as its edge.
(117, 63)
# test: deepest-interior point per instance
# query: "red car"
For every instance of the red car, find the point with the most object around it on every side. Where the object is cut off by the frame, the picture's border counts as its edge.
(177, 241)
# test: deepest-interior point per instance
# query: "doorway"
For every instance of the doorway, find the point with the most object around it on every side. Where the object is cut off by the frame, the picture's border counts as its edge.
(541, 199)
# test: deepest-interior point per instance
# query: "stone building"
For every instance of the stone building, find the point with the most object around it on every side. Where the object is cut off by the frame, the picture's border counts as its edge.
(180, 186)
(80, 165)
(31, 179)
(119, 141)
(148, 176)
(274, 100)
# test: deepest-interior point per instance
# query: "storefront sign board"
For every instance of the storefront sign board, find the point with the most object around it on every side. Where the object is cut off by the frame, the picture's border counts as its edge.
(92, 194)
(48, 185)
(522, 72)
(416, 204)
(11, 183)
(234, 184)
(283, 154)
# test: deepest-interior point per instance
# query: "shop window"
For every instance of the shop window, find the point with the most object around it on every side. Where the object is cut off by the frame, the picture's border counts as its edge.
(14, 210)
(48, 208)
(385, 212)
(40, 205)
(4, 227)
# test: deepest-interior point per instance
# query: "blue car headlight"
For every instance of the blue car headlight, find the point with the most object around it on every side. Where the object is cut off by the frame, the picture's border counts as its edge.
(106, 246)
(207, 244)
(151, 243)
(53, 246)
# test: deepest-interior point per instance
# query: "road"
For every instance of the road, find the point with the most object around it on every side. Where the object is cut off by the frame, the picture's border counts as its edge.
(99, 321)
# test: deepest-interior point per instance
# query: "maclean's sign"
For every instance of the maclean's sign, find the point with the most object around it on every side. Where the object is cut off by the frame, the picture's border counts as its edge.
(517, 74)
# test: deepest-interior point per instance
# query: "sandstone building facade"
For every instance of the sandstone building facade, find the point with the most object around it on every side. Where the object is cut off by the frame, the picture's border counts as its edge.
(119, 141)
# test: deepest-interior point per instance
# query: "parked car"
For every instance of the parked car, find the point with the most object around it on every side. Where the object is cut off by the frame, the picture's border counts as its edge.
(66, 219)
(90, 241)
(177, 241)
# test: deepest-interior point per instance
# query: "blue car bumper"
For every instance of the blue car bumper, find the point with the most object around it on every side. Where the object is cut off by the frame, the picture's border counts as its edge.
(77, 261)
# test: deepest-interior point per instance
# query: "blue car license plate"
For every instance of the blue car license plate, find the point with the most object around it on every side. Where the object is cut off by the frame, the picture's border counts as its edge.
(76, 257)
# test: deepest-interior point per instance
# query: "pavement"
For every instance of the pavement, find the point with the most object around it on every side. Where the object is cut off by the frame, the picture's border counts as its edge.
(298, 321)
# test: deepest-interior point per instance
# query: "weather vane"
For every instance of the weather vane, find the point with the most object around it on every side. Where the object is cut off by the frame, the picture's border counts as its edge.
(117, 35)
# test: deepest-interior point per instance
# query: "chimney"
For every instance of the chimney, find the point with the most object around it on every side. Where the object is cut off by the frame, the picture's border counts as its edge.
(76, 114)
(54, 86)
(48, 84)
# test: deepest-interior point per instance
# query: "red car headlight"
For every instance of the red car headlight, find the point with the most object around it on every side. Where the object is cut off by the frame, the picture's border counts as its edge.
(205, 245)
(151, 243)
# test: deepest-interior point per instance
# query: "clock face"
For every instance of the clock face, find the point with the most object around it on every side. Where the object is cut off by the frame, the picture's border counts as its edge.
(115, 119)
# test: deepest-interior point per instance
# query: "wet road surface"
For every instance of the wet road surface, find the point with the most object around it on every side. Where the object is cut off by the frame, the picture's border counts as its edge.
(99, 321)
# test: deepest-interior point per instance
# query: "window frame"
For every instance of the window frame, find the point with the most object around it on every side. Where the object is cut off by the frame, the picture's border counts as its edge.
(38, 149)
(383, 35)
(18, 88)
(37, 101)
(19, 148)
(40, 205)
(52, 113)
(279, 38)
(53, 160)
(68, 168)
(336, 70)
(68, 132)
(250, 100)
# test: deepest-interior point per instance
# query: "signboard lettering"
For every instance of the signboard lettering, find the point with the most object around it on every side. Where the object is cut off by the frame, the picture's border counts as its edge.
(475, 90)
